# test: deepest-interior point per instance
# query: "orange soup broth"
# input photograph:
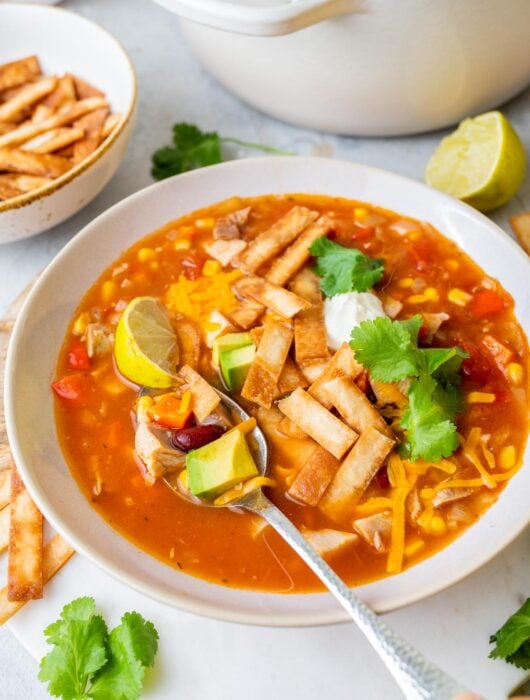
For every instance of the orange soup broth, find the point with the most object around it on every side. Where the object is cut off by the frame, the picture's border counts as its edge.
(234, 548)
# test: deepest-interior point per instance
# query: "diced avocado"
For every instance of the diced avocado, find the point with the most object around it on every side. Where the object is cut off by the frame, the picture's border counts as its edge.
(234, 365)
(220, 465)
(229, 341)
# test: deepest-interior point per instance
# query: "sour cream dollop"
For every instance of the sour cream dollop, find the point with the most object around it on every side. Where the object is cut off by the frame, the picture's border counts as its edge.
(345, 311)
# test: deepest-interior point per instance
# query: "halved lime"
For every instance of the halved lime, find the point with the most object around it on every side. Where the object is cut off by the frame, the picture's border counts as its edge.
(146, 349)
(483, 162)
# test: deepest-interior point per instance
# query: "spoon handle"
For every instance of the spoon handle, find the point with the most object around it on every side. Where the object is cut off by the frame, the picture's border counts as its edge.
(418, 678)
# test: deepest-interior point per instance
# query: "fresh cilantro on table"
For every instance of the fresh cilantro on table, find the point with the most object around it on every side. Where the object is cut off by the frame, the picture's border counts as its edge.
(193, 148)
(87, 662)
(344, 269)
(389, 351)
(512, 640)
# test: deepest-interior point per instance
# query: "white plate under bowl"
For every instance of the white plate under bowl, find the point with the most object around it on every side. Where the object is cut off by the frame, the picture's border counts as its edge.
(41, 327)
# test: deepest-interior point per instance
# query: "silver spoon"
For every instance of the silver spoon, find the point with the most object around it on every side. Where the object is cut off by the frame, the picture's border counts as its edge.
(418, 678)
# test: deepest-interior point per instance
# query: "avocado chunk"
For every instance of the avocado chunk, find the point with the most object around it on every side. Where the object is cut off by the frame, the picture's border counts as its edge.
(220, 465)
(229, 341)
(235, 364)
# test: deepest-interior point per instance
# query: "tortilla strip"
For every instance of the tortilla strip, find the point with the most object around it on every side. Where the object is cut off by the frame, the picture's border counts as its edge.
(111, 122)
(261, 381)
(307, 285)
(41, 113)
(204, 397)
(92, 125)
(24, 568)
(272, 241)
(290, 378)
(353, 406)
(64, 116)
(4, 529)
(189, 342)
(521, 227)
(292, 259)
(7, 191)
(355, 473)
(18, 72)
(247, 313)
(85, 90)
(6, 127)
(278, 299)
(314, 477)
(26, 97)
(53, 140)
(342, 364)
(64, 93)
(225, 251)
(5, 487)
(56, 553)
(46, 165)
(318, 422)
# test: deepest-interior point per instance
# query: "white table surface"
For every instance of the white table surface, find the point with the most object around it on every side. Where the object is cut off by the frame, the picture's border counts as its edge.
(173, 87)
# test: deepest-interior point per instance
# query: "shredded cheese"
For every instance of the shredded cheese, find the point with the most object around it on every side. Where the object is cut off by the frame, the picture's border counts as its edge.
(398, 478)
(470, 452)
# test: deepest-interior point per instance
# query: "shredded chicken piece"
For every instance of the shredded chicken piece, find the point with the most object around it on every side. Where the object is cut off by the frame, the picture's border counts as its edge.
(99, 340)
(432, 323)
(328, 542)
(376, 530)
(450, 495)
(154, 450)
(229, 227)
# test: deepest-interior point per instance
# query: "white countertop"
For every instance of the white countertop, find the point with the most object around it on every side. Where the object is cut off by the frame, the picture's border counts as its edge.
(173, 87)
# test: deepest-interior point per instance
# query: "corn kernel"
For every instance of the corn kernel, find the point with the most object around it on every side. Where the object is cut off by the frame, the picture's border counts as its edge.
(183, 478)
(80, 323)
(459, 297)
(145, 254)
(414, 235)
(182, 244)
(417, 299)
(185, 402)
(507, 457)
(205, 224)
(360, 213)
(406, 282)
(413, 548)
(108, 291)
(452, 264)
(438, 526)
(211, 268)
(431, 294)
(515, 372)
(480, 397)
(187, 230)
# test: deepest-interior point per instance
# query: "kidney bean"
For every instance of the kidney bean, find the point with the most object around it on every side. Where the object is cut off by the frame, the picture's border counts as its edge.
(199, 435)
(381, 478)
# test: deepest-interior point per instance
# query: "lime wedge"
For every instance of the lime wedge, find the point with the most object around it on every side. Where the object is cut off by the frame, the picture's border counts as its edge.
(483, 162)
(146, 349)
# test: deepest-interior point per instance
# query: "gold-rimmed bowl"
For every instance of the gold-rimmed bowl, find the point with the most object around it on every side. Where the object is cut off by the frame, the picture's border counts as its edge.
(65, 42)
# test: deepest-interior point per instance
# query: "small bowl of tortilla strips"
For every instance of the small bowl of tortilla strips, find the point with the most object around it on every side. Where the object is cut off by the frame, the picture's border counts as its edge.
(67, 104)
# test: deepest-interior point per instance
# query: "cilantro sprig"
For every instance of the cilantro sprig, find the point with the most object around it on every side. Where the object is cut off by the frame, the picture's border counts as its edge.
(193, 148)
(87, 662)
(512, 640)
(389, 351)
(344, 269)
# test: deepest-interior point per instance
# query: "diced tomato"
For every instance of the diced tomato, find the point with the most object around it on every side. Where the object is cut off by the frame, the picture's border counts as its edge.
(78, 356)
(74, 388)
(500, 353)
(167, 412)
(423, 334)
(477, 366)
(486, 303)
(421, 254)
(381, 478)
(360, 233)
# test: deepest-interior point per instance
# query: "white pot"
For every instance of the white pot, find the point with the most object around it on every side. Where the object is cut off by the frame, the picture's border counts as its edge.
(365, 67)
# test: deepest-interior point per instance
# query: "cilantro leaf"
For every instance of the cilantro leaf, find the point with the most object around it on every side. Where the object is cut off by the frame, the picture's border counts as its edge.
(88, 663)
(193, 148)
(444, 363)
(431, 433)
(344, 269)
(512, 640)
(79, 638)
(132, 645)
(388, 349)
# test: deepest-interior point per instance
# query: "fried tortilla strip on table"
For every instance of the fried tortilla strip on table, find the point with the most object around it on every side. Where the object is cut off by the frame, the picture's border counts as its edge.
(5, 487)
(18, 72)
(521, 227)
(342, 364)
(44, 165)
(24, 567)
(353, 406)
(27, 96)
(318, 422)
(92, 125)
(56, 553)
(262, 378)
(294, 257)
(355, 473)
(204, 398)
(53, 140)
(111, 122)
(66, 115)
(4, 529)
(272, 241)
(314, 477)
(275, 298)
(225, 251)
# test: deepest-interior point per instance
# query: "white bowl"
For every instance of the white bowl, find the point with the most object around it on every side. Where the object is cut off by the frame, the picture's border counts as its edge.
(67, 43)
(42, 324)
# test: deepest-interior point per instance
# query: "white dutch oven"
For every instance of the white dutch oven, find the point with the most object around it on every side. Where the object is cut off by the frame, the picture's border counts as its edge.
(366, 67)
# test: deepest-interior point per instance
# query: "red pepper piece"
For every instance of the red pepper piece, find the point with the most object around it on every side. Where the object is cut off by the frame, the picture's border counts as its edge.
(477, 366)
(74, 388)
(78, 356)
(360, 233)
(486, 303)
